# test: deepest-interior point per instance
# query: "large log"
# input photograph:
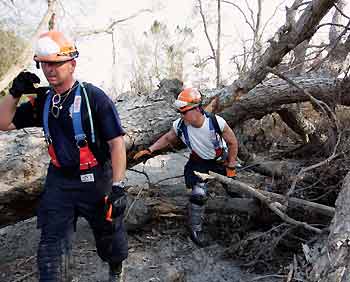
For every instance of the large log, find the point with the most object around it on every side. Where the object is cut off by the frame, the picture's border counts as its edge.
(23, 158)
(286, 39)
(333, 263)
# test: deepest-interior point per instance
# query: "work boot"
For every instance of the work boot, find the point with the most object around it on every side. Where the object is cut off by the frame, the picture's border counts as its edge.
(116, 272)
(198, 238)
(196, 213)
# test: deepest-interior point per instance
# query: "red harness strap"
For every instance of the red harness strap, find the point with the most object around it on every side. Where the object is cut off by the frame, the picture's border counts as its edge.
(52, 155)
(87, 158)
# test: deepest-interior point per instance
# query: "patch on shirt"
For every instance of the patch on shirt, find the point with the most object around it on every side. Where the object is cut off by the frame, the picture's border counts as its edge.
(89, 177)
(77, 102)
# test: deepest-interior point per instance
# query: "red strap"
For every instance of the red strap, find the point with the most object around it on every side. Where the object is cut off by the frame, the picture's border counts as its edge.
(87, 158)
(52, 155)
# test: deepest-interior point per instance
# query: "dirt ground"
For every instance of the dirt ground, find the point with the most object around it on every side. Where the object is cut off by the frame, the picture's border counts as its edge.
(160, 252)
(154, 255)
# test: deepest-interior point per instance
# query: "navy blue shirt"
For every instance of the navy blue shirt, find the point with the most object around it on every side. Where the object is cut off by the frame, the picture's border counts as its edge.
(106, 121)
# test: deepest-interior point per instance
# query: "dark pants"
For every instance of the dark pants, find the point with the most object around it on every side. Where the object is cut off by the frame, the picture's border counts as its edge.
(203, 166)
(64, 199)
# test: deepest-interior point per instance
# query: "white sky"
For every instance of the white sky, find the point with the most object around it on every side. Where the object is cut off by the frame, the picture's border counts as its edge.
(173, 12)
(95, 62)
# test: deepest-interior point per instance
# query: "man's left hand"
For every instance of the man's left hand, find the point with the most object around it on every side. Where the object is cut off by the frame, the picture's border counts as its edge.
(231, 172)
(117, 199)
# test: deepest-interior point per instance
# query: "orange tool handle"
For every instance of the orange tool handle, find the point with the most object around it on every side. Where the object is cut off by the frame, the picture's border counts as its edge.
(109, 212)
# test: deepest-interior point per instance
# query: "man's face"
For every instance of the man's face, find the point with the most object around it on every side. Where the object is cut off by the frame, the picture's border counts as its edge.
(191, 115)
(57, 73)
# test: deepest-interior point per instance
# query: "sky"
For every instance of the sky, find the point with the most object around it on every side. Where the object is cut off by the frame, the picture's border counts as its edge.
(171, 12)
(95, 61)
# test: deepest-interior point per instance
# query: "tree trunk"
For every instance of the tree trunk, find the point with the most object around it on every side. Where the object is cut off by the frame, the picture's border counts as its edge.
(296, 121)
(285, 40)
(23, 157)
(333, 263)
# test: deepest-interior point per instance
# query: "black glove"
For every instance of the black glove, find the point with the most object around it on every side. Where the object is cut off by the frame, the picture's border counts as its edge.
(41, 90)
(116, 199)
(24, 84)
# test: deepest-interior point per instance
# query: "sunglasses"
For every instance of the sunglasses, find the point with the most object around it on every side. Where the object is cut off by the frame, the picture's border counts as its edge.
(184, 112)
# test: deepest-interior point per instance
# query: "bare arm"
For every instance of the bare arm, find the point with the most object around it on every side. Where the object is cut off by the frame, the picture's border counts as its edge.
(164, 141)
(118, 157)
(232, 145)
(8, 105)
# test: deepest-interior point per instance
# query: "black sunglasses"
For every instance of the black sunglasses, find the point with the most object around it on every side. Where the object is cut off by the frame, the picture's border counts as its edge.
(184, 112)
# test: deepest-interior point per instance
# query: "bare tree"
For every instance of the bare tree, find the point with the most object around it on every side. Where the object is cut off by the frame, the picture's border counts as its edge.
(215, 54)
(110, 29)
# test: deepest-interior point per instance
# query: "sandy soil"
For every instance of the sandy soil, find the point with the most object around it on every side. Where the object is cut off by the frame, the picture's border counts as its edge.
(155, 255)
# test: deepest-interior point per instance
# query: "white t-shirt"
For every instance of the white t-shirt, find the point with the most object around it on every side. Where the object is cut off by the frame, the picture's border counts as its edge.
(201, 138)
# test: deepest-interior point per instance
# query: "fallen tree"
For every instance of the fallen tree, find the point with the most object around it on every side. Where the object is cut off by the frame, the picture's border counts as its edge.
(145, 118)
(331, 264)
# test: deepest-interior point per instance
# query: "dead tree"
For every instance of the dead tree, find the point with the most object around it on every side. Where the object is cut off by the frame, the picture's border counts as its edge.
(332, 263)
(284, 41)
(23, 157)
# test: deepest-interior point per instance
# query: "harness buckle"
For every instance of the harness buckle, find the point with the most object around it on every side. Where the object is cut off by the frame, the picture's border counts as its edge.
(81, 143)
(48, 139)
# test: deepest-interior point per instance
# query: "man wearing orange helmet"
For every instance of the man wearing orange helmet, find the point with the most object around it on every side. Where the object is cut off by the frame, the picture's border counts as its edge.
(213, 147)
(88, 159)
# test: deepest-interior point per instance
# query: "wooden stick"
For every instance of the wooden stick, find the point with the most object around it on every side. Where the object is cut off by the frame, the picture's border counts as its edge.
(274, 205)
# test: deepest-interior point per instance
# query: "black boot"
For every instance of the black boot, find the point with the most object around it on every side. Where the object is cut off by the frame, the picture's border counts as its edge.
(196, 213)
(116, 272)
(198, 238)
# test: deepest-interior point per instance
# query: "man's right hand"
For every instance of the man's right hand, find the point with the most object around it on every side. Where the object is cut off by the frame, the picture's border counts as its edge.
(142, 153)
(24, 84)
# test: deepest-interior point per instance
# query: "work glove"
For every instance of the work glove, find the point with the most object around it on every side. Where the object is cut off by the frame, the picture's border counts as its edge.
(24, 84)
(143, 153)
(115, 202)
(41, 90)
(231, 172)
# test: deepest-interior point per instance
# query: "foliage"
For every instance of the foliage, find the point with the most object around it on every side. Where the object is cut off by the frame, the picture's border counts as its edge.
(10, 48)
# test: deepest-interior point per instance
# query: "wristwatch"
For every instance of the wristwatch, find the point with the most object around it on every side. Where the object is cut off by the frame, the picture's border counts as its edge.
(119, 184)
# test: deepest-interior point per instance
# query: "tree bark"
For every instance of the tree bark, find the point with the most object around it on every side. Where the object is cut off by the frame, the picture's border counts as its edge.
(23, 157)
(333, 262)
(285, 40)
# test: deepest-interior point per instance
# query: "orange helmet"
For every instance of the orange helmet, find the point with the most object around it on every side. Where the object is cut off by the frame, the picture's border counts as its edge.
(189, 98)
(52, 46)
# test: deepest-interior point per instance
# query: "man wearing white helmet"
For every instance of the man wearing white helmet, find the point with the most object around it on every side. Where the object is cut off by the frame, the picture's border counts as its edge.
(85, 142)
(213, 147)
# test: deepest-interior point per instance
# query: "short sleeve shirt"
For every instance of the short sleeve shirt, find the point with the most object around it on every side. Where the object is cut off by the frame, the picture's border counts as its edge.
(201, 138)
(107, 124)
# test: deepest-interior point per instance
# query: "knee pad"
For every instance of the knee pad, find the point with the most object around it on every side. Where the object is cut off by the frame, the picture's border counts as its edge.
(53, 261)
(199, 194)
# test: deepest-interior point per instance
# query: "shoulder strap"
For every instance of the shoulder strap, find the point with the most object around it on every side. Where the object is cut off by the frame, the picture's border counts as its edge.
(215, 122)
(46, 115)
(89, 112)
(179, 128)
(75, 111)
(182, 129)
